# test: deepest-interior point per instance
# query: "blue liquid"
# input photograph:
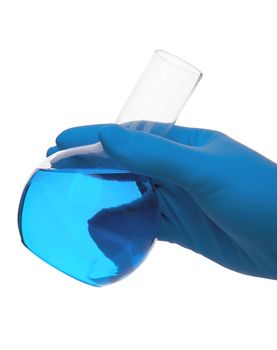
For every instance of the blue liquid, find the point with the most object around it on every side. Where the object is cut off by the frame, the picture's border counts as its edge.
(95, 227)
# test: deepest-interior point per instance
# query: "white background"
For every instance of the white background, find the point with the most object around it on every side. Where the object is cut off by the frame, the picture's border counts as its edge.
(66, 63)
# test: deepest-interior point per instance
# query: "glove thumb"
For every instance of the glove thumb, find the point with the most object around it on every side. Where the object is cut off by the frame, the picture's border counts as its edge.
(151, 155)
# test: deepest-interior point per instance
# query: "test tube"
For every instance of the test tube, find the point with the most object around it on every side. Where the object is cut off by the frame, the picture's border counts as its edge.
(160, 94)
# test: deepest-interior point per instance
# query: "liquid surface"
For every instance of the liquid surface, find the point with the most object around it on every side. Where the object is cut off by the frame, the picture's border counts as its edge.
(96, 228)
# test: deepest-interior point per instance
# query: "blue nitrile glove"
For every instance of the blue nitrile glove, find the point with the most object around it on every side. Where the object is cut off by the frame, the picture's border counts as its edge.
(217, 197)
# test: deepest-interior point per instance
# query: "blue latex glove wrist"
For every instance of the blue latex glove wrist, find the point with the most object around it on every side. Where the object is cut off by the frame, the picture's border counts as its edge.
(217, 197)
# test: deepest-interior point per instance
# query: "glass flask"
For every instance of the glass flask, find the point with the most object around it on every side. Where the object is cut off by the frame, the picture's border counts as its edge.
(85, 215)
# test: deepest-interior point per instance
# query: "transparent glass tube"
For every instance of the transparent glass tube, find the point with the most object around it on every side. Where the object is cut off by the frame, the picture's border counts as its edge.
(160, 94)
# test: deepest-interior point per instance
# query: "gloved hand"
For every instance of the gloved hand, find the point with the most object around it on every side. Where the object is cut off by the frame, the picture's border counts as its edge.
(217, 197)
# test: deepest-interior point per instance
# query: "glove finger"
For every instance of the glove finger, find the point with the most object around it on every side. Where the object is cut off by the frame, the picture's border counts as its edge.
(52, 150)
(78, 136)
(87, 134)
(190, 136)
(151, 155)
